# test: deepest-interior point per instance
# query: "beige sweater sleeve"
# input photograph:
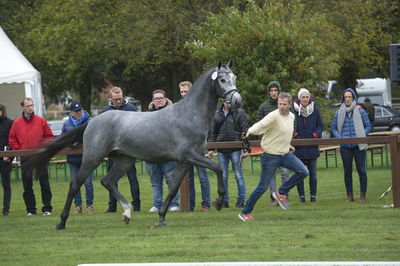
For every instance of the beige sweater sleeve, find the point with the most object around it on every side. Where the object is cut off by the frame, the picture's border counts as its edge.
(262, 126)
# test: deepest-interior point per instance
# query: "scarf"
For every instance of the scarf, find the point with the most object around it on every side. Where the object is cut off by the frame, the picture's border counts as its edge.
(304, 111)
(82, 120)
(357, 121)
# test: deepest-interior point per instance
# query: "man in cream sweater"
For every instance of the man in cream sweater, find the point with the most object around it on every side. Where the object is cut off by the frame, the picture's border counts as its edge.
(277, 130)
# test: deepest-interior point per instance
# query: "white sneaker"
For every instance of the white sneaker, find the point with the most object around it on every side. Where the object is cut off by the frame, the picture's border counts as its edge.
(46, 213)
(153, 209)
(174, 209)
(30, 214)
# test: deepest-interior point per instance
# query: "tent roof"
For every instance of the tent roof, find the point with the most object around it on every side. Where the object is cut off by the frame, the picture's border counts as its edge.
(14, 66)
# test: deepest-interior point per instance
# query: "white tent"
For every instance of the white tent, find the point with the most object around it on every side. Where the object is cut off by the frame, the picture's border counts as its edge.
(18, 79)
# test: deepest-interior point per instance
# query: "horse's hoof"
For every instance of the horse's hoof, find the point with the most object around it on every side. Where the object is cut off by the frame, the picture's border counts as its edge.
(126, 219)
(60, 227)
(161, 224)
(218, 205)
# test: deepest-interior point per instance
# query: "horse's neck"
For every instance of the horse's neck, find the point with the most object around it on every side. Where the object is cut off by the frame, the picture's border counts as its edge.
(202, 102)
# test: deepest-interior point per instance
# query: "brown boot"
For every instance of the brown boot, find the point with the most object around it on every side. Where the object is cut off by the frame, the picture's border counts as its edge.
(350, 197)
(362, 197)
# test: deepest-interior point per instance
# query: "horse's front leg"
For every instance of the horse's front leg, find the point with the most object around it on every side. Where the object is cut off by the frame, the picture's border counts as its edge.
(65, 212)
(74, 187)
(201, 161)
(175, 182)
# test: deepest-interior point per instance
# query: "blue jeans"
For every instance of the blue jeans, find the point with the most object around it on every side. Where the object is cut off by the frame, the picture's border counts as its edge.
(312, 169)
(157, 172)
(269, 164)
(74, 169)
(134, 184)
(285, 177)
(347, 155)
(204, 184)
(223, 158)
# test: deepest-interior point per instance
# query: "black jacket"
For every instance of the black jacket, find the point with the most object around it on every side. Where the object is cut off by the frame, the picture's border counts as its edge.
(5, 126)
(229, 127)
(126, 106)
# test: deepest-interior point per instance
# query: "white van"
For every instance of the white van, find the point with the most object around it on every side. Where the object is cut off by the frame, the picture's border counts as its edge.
(378, 90)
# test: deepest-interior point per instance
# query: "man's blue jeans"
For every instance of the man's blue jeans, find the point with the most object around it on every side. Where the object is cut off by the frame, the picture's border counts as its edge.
(223, 158)
(347, 155)
(312, 169)
(285, 177)
(157, 172)
(269, 164)
(74, 169)
(204, 184)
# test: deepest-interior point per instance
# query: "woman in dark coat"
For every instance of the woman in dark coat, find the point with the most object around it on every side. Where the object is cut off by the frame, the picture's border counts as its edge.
(5, 163)
(308, 125)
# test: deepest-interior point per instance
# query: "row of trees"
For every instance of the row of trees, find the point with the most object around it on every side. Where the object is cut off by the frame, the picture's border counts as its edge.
(79, 46)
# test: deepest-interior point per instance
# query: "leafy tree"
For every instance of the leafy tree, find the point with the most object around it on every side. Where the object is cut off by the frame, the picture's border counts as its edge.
(69, 41)
(139, 45)
(275, 40)
(363, 38)
(157, 57)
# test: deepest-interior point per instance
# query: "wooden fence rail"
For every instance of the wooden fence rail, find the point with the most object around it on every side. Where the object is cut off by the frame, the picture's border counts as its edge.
(392, 140)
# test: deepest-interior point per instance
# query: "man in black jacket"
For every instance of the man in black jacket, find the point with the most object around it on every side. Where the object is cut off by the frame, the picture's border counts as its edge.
(5, 163)
(274, 88)
(228, 125)
(118, 102)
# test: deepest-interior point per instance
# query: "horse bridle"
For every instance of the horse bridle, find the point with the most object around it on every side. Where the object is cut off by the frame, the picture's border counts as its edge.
(217, 86)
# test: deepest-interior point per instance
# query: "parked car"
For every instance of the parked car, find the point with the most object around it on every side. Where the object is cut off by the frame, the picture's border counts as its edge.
(386, 118)
(56, 126)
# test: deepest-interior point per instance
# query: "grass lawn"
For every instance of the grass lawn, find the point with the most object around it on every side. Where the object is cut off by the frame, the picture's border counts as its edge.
(328, 230)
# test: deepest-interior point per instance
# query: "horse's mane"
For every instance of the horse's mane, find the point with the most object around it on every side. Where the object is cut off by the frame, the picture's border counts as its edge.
(205, 77)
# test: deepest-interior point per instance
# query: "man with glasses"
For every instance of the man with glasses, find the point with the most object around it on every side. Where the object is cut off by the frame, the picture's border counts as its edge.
(118, 102)
(159, 171)
(27, 133)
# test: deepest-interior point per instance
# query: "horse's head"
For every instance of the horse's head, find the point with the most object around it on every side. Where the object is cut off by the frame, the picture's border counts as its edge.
(225, 83)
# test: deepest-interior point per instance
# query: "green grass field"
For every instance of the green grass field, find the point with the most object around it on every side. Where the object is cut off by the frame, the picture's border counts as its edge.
(328, 230)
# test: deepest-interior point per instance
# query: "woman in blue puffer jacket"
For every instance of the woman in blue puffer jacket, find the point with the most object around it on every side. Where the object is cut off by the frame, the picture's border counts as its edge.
(308, 125)
(352, 121)
(79, 117)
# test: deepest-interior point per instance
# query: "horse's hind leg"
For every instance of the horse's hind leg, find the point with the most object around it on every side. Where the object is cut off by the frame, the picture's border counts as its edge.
(120, 166)
(176, 180)
(201, 161)
(75, 185)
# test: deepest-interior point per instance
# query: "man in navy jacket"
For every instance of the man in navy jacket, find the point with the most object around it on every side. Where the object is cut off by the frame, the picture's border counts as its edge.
(118, 102)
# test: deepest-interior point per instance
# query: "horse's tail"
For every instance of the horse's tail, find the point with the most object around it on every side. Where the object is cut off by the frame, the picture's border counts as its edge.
(41, 158)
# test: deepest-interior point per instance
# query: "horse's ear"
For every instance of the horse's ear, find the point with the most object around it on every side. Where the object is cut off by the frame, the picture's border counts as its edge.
(219, 64)
(230, 63)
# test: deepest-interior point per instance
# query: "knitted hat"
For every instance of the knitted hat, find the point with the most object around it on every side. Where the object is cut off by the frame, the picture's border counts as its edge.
(301, 91)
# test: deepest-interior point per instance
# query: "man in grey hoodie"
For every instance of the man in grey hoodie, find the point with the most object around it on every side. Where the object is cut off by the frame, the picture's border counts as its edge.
(274, 88)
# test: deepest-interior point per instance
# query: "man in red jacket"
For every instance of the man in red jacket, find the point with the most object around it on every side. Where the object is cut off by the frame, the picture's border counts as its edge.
(27, 133)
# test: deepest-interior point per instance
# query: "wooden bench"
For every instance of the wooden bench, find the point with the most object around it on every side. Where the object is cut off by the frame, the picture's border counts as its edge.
(376, 149)
(254, 155)
(59, 165)
(329, 151)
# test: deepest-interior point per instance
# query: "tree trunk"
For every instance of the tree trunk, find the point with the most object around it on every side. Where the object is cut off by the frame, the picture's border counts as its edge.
(85, 93)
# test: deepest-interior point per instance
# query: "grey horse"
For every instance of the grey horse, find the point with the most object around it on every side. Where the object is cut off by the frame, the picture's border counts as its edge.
(175, 133)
